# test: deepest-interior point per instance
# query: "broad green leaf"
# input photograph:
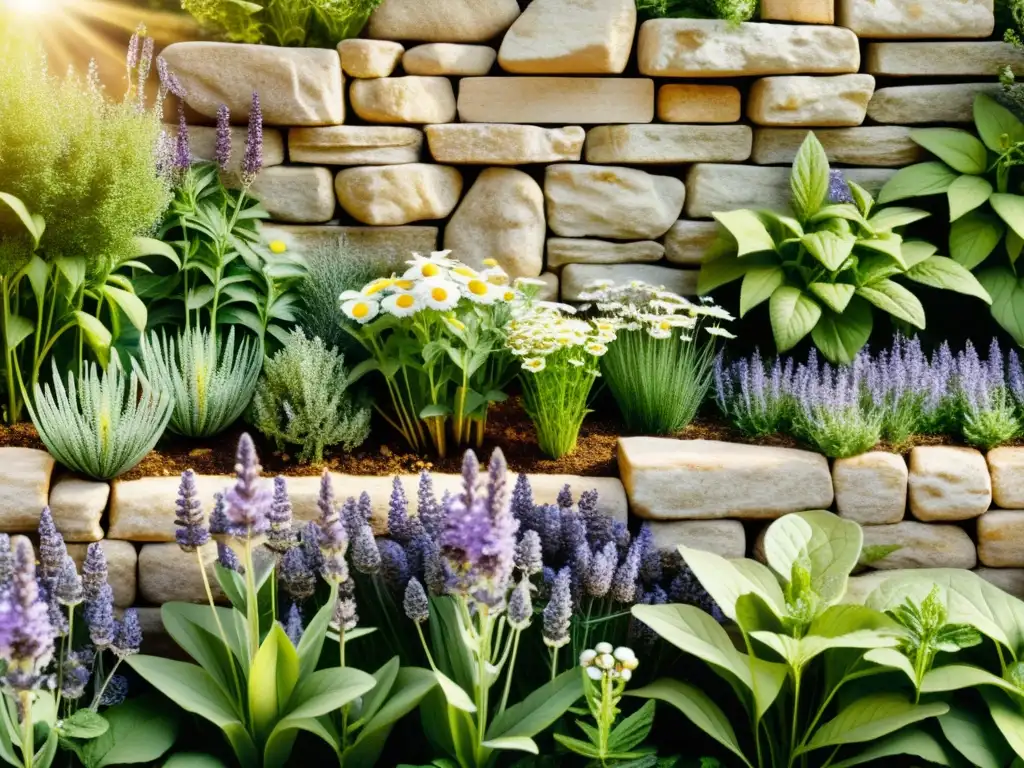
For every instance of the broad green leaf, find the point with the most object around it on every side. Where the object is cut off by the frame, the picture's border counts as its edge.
(748, 230)
(148, 246)
(827, 545)
(888, 243)
(916, 251)
(540, 709)
(758, 285)
(18, 329)
(912, 741)
(835, 296)
(1014, 245)
(830, 249)
(974, 735)
(410, 686)
(725, 580)
(943, 272)
(799, 652)
(998, 127)
(959, 149)
(83, 724)
(721, 271)
(845, 211)
(140, 730)
(1007, 293)
(1007, 716)
(890, 218)
(272, 678)
(896, 300)
(786, 226)
(839, 337)
(870, 718)
(865, 203)
(193, 760)
(312, 641)
(893, 659)
(38, 273)
(96, 336)
(30, 222)
(192, 627)
(456, 697)
(74, 270)
(954, 677)
(793, 316)
(633, 730)
(698, 708)
(918, 180)
(809, 178)
(384, 679)
(130, 304)
(846, 618)
(973, 237)
(1010, 209)
(513, 743)
(967, 193)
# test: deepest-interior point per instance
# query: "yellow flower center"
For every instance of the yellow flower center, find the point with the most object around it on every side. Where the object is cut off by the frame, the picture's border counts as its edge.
(508, 296)
(430, 270)
(361, 310)
(665, 326)
(490, 262)
(278, 246)
(405, 285)
(464, 271)
(478, 287)
(405, 301)
(439, 294)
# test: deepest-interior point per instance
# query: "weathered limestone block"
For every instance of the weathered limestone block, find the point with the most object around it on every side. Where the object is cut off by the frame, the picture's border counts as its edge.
(501, 217)
(570, 37)
(121, 568)
(804, 11)
(449, 59)
(369, 58)
(687, 241)
(413, 100)
(577, 250)
(296, 194)
(551, 289)
(941, 59)
(874, 145)
(155, 639)
(202, 141)
(1001, 538)
(669, 479)
(503, 144)
(687, 103)
(871, 489)
(577, 278)
(723, 537)
(713, 187)
(812, 101)
(948, 483)
(387, 248)
(390, 195)
(297, 86)
(562, 100)
(642, 144)
(1006, 467)
(442, 21)
(77, 506)
(617, 203)
(921, 104)
(715, 48)
(355, 145)
(916, 19)
(166, 574)
(24, 488)
(1010, 580)
(922, 545)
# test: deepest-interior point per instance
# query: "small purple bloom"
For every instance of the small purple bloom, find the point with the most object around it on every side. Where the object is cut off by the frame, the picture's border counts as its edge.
(394, 566)
(293, 625)
(252, 161)
(190, 523)
(624, 583)
(247, 502)
(398, 513)
(427, 509)
(116, 691)
(346, 615)
(129, 635)
(132, 57)
(332, 537)
(68, 589)
(529, 558)
(145, 61)
(218, 519)
(6, 562)
(99, 616)
(26, 634)
(522, 502)
(520, 606)
(94, 572)
(435, 570)
(182, 148)
(296, 575)
(52, 550)
(222, 150)
(310, 542)
(838, 189)
(558, 611)
(564, 498)
(227, 559)
(365, 553)
(602, 571)
(168, 79)
(77, 669)
(281, 536)
(415, 603)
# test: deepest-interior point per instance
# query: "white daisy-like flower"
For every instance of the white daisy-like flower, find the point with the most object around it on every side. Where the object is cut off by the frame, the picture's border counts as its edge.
(362, 310)
(596, 348)
(480, 291)
(402, 304)
(716, 331)
(657, 332)
(509, 295)
(463, 274)
(421, 268)
(440, 294)
(534, 364)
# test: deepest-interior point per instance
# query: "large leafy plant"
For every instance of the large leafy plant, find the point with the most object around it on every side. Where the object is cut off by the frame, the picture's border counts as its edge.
(800, 648)
(825, 270)
(982, 184)
(313, 23)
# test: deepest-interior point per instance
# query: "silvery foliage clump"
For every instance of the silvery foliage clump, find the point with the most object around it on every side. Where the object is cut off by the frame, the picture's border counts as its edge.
(211, 378)
(303, 399)
(893, 395)
(104, 422)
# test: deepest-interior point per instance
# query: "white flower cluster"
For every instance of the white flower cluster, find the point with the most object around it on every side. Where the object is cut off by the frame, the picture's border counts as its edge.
(542, 328)
(602, 661)
(436, 282)
(639, 306)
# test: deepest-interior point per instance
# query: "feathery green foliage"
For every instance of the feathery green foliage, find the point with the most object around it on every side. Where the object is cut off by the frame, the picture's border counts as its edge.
(303, 399)
(105, 423)
(211, 382)
(731, 10)
(310, 23)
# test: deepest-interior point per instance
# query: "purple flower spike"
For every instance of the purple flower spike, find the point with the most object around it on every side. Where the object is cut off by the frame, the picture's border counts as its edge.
(252, 162)
(169, 80)
(296, 575)
(99, 616)
(415, 603)
(528, 557)
(293, 625)
(520, 606)
(68, 589)
(77, 671)
(52, 550)
(282, 536)
(26, 634)
(427, 508)
(558, 611)
(6, 562)
(602, 570)
(222, 151)
(333, 539)
(624, 584)
(116, 691)
(398, 513)
(227, 559)
(522, 502)
(838, 189)
(129, 635)
(346, 616)
(365, 554)
(190, 523)
(94, 572)
(132, 57)
(182, 148)
(247, 503)
(394, 565)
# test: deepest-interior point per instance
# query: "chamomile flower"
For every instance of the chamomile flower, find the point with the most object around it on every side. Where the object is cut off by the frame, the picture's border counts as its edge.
(421, 268)
(508, 295)
(659, 332)
(534, 364)
(402, 304)
(596, 348)
(480, 291)
(440, 294)
(362, 310)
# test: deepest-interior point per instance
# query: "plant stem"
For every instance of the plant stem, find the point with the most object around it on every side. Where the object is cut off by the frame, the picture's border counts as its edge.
(68, 639)
(508, 672)
(99, 694)
(796, 715)
(554, 663)
(483, 657)
(344, 709)
(28, 749)
(220, 627)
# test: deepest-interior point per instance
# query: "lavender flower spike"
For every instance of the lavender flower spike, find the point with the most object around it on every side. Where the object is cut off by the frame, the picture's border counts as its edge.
(415, 603)
(252, 162)
(394, 565)
(191, 532)
(227, 559)
(601, 571)
(94, 572)
(293, 625)
(558, 611)
(624, 584)
(68, 589)
(282, 536)
(333, 539)
(520, 606)
(838, 189)
(427, 508)
(99, 616)
(132, 57)
(528, 558)
(247, 503)
(129, 635)
(365, 554)
(6, 562)
(346, 617)
(51, 548)
(26, 635)
(182, 148)
(398, 513)
(168, 80)
(222, 150)
(297, 577)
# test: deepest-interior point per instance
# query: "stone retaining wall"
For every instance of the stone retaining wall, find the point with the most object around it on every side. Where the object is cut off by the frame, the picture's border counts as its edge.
(569, 141)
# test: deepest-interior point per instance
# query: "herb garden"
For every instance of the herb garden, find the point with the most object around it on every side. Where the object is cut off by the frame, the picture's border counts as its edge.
(511, 383)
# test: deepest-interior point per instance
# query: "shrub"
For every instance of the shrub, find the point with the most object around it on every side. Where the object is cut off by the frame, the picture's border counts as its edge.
(657, 368)
(825, 271)
(312, 23)
(103, 424)
(730, 10)
(211, 380)
(754, 397)
(303, 399)
(988, 413)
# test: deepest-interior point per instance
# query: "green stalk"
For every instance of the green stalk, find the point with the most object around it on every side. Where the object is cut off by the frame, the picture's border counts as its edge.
(12, 402)
(483, 657)
(220, 627)
(99, 695)
(508, 672)
(252, 609)
(28, 749)
(796, 715)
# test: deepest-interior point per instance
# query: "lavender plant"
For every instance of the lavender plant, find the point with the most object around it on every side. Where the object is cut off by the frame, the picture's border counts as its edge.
(753, 396)
(988, 414)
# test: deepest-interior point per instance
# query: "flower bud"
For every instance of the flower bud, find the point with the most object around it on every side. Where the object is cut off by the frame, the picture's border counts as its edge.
(594, 673)
(626, 675)
(603, 647)
(624, 654)
(605, 661)
(587, 657)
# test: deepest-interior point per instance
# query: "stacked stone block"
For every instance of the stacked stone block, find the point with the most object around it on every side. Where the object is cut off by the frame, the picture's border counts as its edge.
(570, 141)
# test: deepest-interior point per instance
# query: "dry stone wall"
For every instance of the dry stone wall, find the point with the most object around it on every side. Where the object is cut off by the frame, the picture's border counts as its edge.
(570, 141)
